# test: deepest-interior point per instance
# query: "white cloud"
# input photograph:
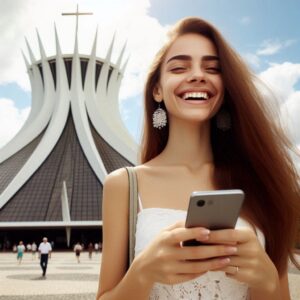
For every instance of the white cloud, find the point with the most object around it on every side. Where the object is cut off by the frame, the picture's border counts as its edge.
(291, 115)
(141, 52)
(282, 79)
(269, 47)
(11, 119)
(273, 46)
(252, 59)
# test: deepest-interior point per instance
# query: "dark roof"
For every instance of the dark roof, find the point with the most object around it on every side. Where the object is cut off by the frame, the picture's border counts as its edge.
(10, 167)
(111, 158)
(39, 199)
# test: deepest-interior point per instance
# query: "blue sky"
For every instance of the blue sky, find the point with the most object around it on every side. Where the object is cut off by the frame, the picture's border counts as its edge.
(265, 32)
(245, 24)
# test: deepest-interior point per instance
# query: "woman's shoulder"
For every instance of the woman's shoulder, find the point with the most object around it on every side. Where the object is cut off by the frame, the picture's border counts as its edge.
(119, 177)
(116, 179)
(116, 184)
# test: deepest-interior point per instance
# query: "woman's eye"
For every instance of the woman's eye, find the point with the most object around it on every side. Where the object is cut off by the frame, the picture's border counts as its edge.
(213, 69)
(178, 69)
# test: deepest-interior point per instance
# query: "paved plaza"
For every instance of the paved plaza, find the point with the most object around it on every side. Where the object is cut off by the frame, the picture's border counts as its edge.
(66, 279)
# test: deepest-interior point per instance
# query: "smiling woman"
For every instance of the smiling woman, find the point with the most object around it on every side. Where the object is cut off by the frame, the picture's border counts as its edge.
(216, 134)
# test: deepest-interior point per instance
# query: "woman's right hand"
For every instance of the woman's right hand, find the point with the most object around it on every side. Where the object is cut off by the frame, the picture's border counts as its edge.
(165, 260)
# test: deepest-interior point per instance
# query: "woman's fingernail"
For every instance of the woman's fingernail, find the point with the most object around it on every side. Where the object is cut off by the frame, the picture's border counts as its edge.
(225, 261)
(231, 250)
(205, 231)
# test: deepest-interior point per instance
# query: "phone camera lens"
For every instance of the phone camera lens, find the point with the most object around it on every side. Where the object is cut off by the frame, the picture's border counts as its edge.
(200, 203)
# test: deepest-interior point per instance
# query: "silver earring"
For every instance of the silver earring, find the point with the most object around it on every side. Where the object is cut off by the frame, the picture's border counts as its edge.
(223, 120)
(159, 118)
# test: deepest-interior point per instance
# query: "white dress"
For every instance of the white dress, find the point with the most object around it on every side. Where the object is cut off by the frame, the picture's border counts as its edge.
(213, 285)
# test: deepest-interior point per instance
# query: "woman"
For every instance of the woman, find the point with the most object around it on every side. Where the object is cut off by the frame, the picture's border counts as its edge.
(218, 135)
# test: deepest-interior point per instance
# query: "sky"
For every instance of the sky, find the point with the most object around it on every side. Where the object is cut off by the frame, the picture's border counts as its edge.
(266, 33)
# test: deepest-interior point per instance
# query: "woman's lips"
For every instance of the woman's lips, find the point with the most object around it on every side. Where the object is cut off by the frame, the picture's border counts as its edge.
(195, 96)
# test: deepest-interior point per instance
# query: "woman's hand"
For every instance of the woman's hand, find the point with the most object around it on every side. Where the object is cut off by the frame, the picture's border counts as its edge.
(165, 260)
(250, 264)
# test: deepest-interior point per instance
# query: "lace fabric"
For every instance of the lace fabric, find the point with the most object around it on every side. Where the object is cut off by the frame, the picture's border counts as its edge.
(209, 286)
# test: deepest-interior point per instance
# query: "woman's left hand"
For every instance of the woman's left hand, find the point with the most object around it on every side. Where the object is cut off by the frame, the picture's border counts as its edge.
(250, 264)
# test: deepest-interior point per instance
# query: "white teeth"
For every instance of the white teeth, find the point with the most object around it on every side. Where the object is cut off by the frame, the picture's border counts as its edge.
(196, 95)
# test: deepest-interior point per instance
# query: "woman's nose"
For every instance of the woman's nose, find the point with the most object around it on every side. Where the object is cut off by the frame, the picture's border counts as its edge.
(196, 74)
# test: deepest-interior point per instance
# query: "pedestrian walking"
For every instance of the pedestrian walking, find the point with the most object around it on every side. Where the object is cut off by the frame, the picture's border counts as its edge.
(20, 252)
(44, 252)
(77, 250)
(28, 247)
(90, 250)
(33, 250)
(96, 246)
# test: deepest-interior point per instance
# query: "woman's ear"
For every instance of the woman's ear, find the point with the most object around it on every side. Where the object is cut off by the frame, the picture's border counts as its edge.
(157, 93)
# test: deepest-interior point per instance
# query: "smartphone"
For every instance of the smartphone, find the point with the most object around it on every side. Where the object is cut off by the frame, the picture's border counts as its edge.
(213, 210)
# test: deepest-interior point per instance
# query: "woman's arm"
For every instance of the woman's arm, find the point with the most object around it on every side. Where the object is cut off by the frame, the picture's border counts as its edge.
(114, 282)
(281, 291)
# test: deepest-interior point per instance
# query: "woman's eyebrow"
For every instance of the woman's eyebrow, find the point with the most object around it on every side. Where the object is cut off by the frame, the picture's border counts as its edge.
(179, 57)
(210, 57)
(188, 58)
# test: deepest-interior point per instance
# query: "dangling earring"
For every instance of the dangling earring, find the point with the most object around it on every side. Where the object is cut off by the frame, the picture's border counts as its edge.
(223, 120)
(159, 118)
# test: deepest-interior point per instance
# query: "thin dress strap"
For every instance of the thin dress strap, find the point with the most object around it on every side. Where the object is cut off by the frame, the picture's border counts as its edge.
(140, 203)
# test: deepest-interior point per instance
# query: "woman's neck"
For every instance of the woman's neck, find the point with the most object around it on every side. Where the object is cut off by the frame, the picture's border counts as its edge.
(188, 144)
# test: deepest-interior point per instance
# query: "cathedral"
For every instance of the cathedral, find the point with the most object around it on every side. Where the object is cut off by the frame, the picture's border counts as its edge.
(52, 171)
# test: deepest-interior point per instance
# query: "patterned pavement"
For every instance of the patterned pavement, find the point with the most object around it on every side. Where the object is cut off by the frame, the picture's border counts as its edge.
(66, 279)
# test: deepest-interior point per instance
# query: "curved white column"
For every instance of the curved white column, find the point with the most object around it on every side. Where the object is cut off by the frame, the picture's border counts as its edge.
(81, 120)
(61, 99)
(34, 103)
(105, 129)
(39, 116)
(101, 91)
(37, 88)
(107, 97)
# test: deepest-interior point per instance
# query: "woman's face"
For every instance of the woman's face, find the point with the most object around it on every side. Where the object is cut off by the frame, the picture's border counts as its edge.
(191, 84)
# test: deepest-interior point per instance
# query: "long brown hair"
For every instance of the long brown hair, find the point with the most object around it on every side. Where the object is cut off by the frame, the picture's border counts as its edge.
(253, 155)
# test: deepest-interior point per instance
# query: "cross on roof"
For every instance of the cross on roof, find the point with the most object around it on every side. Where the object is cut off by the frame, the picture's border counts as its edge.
(77, 13)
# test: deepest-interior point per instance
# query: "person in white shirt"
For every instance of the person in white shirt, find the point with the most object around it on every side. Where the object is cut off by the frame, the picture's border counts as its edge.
(96, 248)
(28, 247)
(44, 251)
